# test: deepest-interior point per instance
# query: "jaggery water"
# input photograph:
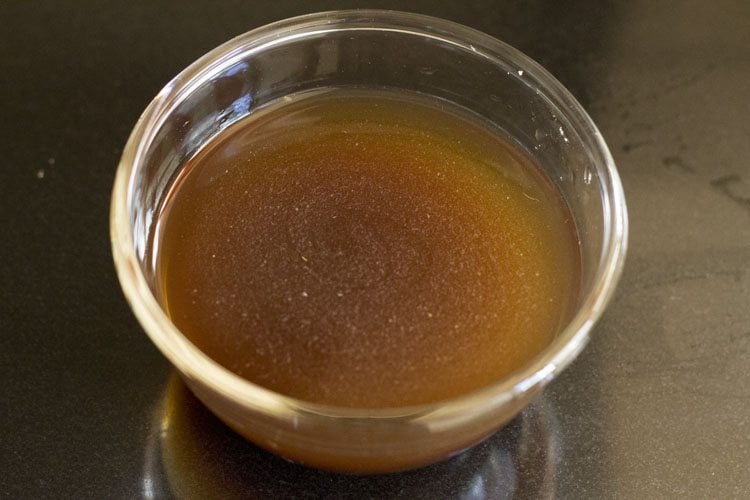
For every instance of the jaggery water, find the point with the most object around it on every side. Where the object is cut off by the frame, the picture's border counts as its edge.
(366, 249)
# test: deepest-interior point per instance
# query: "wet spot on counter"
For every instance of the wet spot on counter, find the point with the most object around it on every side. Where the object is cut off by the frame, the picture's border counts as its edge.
(730, 186)
(677, 161)
(630, 146)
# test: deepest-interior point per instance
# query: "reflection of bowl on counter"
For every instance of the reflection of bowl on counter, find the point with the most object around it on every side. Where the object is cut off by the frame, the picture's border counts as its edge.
(191, 454)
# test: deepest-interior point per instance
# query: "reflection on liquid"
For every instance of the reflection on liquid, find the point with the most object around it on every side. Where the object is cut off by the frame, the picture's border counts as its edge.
(191, 454)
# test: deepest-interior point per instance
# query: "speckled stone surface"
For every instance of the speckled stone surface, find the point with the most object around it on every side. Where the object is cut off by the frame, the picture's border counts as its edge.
(658, 405)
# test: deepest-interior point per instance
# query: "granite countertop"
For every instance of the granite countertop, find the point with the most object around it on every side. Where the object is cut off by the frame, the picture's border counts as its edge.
(657, 406)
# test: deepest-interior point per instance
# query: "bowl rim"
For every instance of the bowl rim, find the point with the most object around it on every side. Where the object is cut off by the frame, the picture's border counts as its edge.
(196, 366)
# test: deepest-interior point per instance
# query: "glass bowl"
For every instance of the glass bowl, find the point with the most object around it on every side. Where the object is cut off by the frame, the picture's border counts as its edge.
(376, 49)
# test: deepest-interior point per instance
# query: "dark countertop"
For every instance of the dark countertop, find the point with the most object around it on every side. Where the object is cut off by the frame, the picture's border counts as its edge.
(657, 406)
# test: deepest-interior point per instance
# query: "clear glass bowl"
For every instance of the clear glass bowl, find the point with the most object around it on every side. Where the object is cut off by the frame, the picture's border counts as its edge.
(379, 49)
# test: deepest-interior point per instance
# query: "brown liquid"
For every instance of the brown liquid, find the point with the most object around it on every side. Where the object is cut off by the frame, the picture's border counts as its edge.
(366, 249)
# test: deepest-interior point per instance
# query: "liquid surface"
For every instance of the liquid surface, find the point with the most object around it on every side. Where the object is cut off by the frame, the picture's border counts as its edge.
(366, 249)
